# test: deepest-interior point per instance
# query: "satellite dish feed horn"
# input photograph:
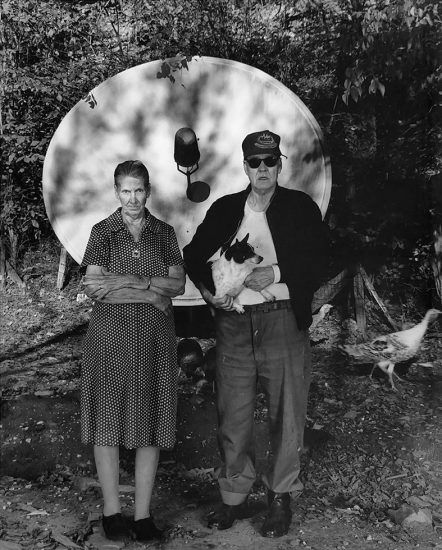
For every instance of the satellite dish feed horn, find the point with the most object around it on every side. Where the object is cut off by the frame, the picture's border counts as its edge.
(187, 155)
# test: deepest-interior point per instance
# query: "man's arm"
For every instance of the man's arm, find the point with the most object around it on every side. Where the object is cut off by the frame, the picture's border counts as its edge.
(302, 244)
(220, 222)
(204, 244)
(225, 302)
(260, 278)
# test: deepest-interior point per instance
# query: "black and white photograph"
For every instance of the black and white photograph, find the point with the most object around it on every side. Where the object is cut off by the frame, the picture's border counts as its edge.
(221, 274)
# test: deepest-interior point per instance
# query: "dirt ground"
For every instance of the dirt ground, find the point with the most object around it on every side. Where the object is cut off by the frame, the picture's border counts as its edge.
(369, 451)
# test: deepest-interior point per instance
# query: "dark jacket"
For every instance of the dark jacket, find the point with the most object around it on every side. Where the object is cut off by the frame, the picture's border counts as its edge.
(299, 236)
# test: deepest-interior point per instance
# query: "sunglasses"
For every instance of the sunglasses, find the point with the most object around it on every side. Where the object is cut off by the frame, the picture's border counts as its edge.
(268, 161)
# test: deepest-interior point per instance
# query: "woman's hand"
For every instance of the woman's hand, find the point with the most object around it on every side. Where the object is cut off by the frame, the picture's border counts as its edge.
(163, 303)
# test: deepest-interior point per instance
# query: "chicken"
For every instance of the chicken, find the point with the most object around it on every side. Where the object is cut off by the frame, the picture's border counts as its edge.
(206, 372)
(385, 351)
(190, 356)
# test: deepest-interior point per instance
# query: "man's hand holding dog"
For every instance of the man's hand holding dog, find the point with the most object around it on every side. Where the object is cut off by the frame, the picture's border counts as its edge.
(260, 278)
(225, 302)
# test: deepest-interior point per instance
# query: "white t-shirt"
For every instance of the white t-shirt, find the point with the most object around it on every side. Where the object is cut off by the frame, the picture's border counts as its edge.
(255, 223)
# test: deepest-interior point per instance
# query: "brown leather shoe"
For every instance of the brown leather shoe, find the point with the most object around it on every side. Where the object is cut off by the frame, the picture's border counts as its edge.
(225, 515)
(279, 516)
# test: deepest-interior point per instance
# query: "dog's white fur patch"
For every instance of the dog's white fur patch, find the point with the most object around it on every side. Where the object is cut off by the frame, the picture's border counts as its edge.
(229, 276)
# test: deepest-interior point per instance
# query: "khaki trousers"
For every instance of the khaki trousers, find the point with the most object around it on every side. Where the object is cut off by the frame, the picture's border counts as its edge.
(262, 344)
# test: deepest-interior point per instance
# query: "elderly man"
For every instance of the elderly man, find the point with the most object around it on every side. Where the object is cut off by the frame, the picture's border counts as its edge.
(269, 343)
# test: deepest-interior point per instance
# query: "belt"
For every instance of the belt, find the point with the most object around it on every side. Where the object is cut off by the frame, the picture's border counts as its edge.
(269, 306)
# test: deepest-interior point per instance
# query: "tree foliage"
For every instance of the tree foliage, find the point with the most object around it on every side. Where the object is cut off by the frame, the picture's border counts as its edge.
(369, 70)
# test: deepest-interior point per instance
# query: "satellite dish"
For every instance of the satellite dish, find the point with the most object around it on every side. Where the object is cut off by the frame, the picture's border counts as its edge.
(136, 115)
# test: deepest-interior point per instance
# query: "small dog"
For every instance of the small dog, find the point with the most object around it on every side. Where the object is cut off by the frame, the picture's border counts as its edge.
(231, 269)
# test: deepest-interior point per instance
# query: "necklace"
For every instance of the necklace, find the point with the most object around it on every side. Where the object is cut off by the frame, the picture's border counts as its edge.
(136, 237)
(136, 253)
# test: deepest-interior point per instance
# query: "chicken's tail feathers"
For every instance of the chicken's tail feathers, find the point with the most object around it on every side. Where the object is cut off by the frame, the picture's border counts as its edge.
(346, 349)
(355, 352)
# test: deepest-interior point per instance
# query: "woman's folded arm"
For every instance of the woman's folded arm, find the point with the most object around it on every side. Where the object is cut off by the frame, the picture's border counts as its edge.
(172, 285)
(99, 282)
(118, 288)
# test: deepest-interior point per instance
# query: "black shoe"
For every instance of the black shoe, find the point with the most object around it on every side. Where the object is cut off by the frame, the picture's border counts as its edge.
(145, 529)
(279, 516)
(225, 515)
(115, 527)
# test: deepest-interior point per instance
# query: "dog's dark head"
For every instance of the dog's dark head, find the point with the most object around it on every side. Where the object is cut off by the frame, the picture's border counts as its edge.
(241, 251)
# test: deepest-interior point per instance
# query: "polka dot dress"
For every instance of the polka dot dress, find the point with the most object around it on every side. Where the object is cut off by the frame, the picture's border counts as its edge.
(129, 368)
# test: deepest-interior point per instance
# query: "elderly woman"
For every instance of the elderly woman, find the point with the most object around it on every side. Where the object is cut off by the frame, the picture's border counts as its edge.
(129, 371)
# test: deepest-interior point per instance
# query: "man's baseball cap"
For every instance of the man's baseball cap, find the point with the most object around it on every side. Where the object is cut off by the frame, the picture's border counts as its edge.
(258, 143)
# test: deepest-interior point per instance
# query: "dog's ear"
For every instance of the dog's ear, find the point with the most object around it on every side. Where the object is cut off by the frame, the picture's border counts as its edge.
(244, 241)
(228, 255)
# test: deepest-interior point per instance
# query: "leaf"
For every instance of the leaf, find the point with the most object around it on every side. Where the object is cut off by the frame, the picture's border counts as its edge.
(354, 94)
(38, 513)
(372, 88)
(317, 426)
(381, 88)
(65, 541)
(199, 473)
(90, 99)
(165, 69)
(27, 508)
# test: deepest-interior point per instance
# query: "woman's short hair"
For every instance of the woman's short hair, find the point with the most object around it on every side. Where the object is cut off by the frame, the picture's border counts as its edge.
(134, 169)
